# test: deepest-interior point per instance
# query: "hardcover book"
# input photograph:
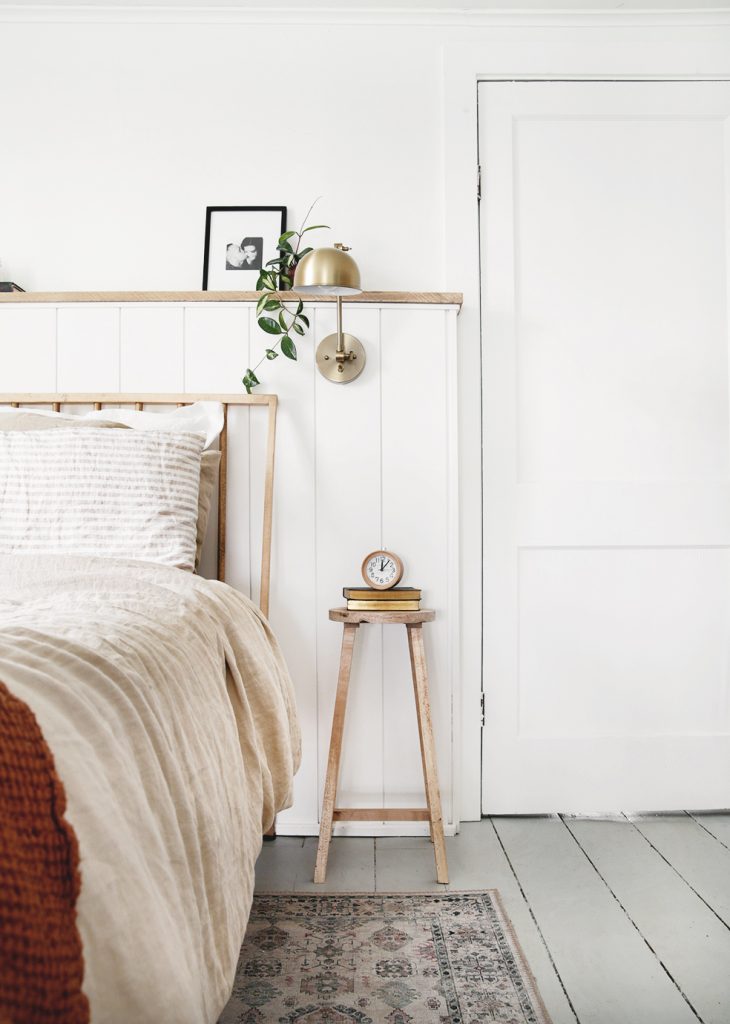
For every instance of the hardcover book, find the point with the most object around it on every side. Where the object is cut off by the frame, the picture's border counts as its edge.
(394, 594)
(383, 606)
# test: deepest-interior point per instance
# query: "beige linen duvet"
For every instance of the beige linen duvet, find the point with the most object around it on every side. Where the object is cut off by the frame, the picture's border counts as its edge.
(169, 712)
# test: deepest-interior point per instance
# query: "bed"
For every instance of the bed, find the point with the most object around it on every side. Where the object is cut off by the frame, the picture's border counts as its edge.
(168, 718)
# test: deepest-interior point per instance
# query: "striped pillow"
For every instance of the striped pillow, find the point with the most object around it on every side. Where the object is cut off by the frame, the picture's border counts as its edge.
(113, 493)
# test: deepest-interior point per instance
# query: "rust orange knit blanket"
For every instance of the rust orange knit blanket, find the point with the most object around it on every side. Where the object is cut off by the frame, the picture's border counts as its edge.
(41, 960)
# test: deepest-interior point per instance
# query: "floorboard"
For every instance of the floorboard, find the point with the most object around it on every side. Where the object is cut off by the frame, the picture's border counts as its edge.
(350, 868)
(610, 974)
(406, 864)
(717, 823)
(278, 863)
(695, 855)
(692, 945)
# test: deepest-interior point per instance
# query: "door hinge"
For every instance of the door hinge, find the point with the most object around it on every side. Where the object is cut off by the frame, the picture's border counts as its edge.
(483, 711)
(479, 183)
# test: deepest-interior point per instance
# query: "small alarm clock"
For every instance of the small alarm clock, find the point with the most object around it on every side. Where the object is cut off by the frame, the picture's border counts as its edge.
(382, 570)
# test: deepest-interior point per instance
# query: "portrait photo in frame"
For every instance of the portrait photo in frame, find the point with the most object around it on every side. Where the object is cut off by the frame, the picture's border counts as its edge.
(239, 240)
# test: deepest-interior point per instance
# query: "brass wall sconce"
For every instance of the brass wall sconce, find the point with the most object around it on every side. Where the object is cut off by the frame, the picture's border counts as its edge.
(340, 357)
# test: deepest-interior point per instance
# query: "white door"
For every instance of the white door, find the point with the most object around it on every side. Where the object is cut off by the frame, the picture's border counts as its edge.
(604, 223)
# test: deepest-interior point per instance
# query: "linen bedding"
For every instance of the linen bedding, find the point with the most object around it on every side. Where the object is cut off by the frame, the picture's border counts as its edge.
(169, 713)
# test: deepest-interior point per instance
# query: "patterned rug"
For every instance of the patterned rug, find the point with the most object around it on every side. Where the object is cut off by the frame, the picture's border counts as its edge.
(382, 959)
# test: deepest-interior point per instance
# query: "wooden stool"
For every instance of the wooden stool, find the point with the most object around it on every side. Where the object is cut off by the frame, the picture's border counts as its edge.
(413, 621)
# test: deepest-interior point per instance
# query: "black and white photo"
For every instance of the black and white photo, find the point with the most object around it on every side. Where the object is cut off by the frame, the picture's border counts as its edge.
(239, 241)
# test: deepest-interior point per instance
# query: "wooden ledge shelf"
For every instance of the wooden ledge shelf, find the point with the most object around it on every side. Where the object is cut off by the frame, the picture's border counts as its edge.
(432, 298)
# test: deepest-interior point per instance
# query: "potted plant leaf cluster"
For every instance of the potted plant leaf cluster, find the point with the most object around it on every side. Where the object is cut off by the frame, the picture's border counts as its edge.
(281, 320)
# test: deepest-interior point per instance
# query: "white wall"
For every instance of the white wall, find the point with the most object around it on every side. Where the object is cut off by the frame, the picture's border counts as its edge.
(117, 136)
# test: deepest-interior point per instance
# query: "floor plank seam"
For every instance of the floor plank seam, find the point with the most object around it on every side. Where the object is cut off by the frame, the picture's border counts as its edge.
(631, 921)
(705, 829)
(679, 874)
(535, 921)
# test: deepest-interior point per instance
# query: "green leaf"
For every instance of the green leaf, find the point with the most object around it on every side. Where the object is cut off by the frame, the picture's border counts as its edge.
(298, 328)
(286, 283)
(287, 234)
(304, 252)
(250, 380)
(270, 354)
(269, 325)
(300, 307)
(272, 304)
(269, 280)
(282, 321)
(262, 303)
(314, 227)
(304, 318)
(285, 247)
(288, 347)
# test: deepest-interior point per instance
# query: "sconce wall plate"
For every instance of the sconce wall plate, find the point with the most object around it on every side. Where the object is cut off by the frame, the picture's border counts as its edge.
(340, 371)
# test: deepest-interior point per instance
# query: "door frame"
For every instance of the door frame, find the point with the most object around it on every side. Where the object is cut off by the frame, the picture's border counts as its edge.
(587, 47)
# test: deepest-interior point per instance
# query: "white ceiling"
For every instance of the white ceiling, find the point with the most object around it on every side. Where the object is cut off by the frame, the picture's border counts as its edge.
(391, 6)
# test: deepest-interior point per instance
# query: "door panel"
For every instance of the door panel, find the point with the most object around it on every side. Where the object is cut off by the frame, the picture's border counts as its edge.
(606, 445)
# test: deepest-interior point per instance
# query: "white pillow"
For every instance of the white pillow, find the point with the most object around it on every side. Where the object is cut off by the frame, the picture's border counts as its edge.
(111, 493)
(198, 418)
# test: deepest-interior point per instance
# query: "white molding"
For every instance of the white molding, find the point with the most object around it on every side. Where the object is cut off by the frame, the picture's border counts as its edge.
(197, 14)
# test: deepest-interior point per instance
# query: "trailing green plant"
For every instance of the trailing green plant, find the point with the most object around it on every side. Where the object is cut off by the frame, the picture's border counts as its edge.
(277, 318)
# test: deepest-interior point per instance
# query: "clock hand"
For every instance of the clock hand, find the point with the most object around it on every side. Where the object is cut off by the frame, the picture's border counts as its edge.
(382, 564)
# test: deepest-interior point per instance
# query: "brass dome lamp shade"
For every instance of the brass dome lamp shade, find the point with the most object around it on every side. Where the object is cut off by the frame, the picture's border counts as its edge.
(340, 357)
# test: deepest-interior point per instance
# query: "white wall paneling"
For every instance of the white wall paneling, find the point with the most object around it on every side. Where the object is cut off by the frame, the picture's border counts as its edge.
(28, 362)
(87, 348)
(152, 343)
(370, 463)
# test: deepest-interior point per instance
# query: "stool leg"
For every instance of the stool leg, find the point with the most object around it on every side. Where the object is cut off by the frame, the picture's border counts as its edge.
(333, 761)
(428, 750)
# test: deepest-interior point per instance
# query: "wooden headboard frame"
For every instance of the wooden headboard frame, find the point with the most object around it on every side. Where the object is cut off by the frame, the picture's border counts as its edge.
(139, 401)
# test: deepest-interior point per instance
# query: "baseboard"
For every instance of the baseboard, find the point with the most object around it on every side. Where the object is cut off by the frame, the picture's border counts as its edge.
(360, 828)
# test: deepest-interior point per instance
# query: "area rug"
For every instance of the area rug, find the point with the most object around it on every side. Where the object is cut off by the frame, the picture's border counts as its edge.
(381, 958)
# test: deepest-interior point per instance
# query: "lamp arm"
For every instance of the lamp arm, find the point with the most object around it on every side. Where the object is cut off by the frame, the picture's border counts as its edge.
(340, 338)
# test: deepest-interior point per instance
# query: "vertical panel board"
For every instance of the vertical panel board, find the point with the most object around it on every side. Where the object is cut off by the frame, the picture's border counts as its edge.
(348, 526)
(415, 426)
(216, 346)
(213, 359)
(27, 349)
(152, 348)
(88, 348)
(293, 609)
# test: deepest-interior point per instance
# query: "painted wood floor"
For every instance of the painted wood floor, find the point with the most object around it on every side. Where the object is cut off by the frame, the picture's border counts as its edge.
(624, 920)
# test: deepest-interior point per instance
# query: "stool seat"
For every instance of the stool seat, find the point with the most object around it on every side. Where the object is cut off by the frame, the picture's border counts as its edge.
(407, 618)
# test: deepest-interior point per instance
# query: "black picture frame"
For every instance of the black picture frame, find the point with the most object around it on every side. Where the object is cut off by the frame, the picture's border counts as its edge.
(268, 251)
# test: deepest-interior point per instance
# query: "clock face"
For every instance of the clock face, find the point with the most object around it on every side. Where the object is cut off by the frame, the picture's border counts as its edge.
(382, 570)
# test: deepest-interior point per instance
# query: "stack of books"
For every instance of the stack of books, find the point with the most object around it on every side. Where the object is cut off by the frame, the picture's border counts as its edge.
(399, 599)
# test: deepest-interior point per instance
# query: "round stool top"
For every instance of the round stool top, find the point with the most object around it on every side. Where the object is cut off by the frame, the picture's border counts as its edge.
(408, 618)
